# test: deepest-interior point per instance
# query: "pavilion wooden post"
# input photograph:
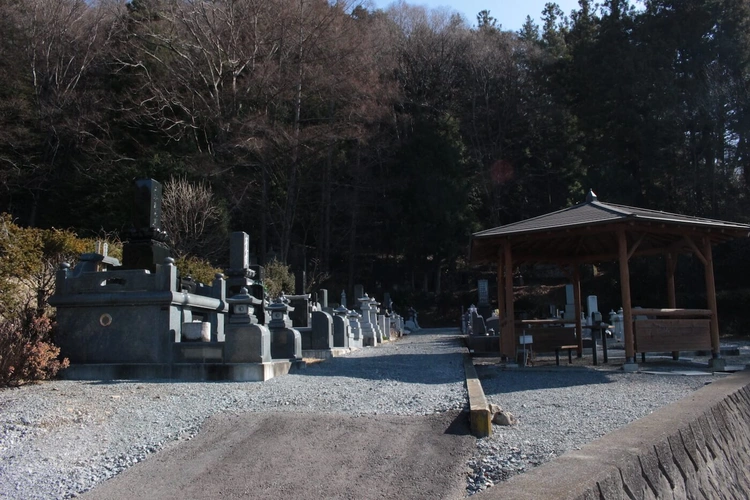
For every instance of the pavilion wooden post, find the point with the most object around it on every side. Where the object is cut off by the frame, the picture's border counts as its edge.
(510, 332)
(506, 348)
(627, 307)
(711, 298)
(578, 308)
(500, 288)
(671, 293)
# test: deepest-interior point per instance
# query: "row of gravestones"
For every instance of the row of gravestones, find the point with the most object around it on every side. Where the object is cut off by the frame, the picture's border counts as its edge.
(141, 313)
(474, 324)
(248, 341)
(296, 324)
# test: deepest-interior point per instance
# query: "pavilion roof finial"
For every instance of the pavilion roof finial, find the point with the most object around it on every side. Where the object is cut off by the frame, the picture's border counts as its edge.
(591, 196)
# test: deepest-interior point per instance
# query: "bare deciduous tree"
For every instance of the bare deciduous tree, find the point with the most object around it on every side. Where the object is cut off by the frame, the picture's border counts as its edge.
(56, 44)
(195, 222)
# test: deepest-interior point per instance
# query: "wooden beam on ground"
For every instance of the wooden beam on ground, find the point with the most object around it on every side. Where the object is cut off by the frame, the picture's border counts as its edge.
(480, 418)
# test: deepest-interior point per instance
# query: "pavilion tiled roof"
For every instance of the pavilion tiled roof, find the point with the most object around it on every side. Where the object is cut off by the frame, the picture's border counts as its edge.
(597, 220)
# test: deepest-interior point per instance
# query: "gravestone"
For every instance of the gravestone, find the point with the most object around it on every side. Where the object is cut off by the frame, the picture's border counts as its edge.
(359, 292)
(570, 303)
(356, 328)
(260, 272)
(375, 319)
(343, 298)
(146, 244)
(477, 324)
(246, 341)
(322, 330)
(385, 326)
(286, 342)
(130, 316)
(483, 303)
(323, 299)
(483, 292)
(239, 275)
(387, 302)
(300, 282)
(369, 333)
(300, 310)
(342, 334)
(493, 324)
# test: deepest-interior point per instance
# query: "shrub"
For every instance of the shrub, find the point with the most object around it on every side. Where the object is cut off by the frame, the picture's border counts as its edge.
(26, 350)
(29, 258)
(198, 269)
(278, 278)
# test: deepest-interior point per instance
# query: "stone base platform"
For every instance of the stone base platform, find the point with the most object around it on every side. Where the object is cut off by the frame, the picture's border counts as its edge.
(234, 372)
(327, 353)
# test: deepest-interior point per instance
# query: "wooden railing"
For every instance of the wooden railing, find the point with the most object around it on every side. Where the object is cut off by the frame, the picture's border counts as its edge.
(672, 330)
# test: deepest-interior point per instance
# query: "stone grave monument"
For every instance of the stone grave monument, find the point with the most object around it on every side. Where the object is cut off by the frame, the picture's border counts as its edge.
(483, 301)
(369, 333)
(146, 245)
(246, 340)
(342, 333)
(143, 323)
(322, 330)
(356, 327)
(241, 274)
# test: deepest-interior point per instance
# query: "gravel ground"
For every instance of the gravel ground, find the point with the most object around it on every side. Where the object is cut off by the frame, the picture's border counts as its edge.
(61, 438)
(562, 408)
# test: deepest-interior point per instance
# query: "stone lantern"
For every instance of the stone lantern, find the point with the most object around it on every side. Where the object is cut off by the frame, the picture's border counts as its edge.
(242, 308)
(279, 312)
(286, 342)
(245, 340)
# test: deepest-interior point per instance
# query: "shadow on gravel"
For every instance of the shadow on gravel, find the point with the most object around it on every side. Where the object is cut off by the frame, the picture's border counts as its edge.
(407, 368)
(498, 381)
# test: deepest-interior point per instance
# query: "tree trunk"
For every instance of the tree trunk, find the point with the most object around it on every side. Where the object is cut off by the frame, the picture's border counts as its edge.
(264, 217)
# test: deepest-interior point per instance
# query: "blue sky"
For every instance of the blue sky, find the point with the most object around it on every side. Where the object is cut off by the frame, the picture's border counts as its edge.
(509, 13)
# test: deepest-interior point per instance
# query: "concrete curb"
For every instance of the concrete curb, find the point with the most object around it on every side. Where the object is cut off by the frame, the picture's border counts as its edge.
(480, 416)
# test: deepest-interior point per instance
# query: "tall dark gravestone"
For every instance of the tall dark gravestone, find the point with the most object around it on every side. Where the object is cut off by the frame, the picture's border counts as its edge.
(146, 244)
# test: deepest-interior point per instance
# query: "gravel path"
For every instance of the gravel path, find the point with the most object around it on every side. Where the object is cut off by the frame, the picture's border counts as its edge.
(61, 438)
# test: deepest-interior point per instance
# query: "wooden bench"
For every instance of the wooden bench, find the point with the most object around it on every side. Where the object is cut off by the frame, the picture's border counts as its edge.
(553, 339)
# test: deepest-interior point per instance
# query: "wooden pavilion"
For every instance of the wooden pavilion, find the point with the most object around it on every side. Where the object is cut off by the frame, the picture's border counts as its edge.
(595, 231)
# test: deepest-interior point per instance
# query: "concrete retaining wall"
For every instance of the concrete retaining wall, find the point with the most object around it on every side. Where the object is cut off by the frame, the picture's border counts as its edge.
(698, 447)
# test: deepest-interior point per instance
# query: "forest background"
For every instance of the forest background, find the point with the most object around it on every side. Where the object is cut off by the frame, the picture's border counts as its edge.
(361, 145)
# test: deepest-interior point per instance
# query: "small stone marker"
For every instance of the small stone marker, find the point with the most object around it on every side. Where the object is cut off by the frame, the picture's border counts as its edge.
(502, 417)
